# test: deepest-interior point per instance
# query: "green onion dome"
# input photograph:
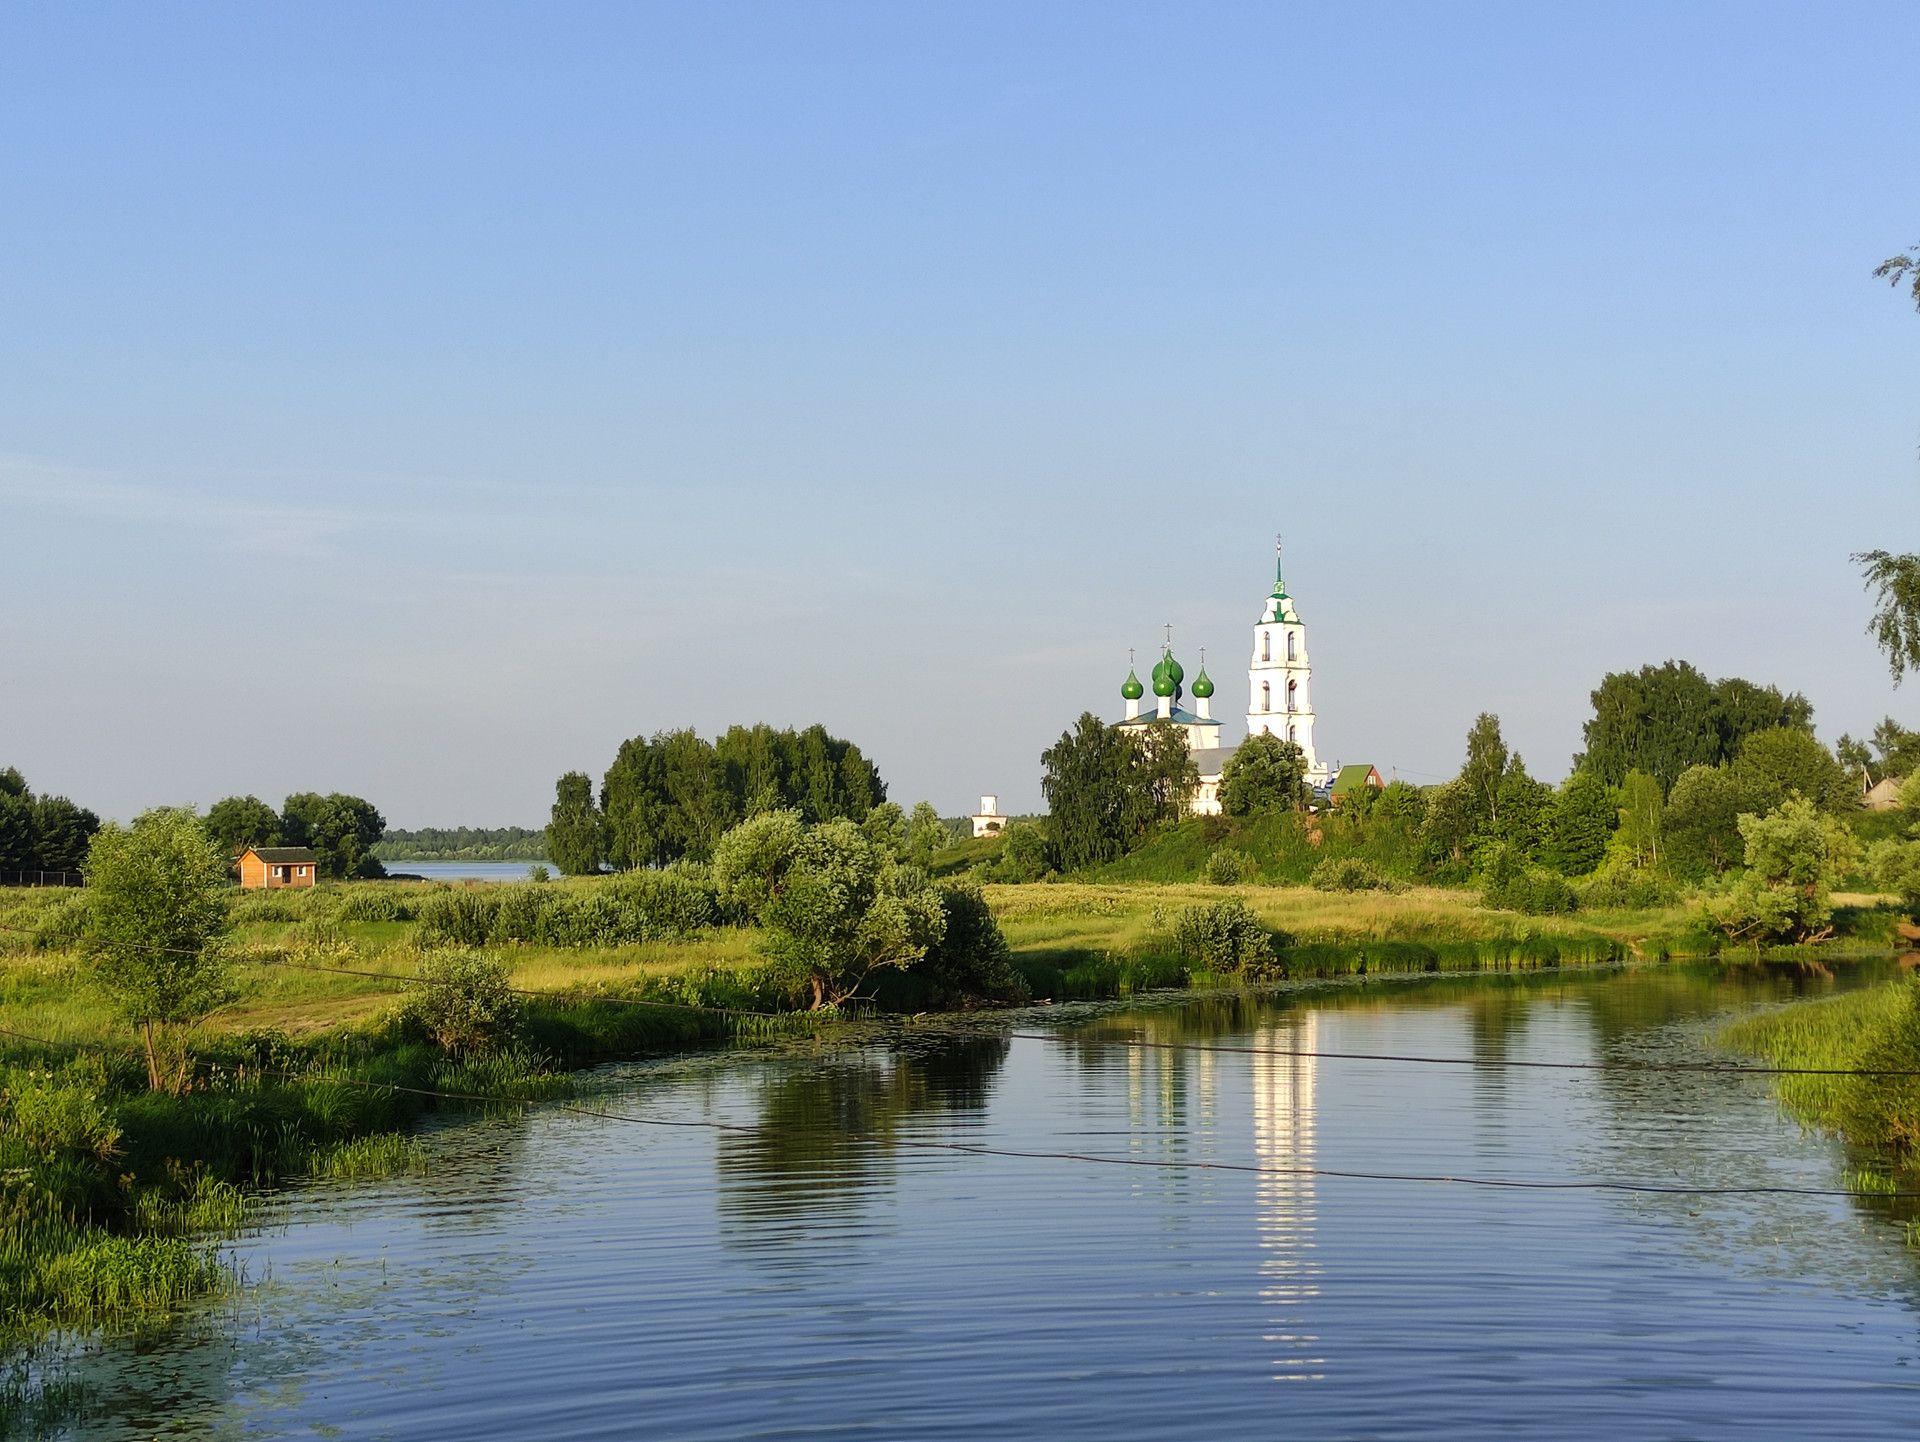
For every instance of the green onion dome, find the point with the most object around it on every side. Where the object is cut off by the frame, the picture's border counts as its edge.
(1174, 671)
(1131, 688)
(1163, 682)
(1202, 686)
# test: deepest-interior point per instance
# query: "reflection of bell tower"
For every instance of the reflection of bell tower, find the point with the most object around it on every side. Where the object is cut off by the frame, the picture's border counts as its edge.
(1286, 1206)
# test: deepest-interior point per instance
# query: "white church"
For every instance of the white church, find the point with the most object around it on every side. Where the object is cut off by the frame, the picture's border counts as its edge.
(1279, 698)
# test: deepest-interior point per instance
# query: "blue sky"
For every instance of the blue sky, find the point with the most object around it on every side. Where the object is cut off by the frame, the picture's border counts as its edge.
(417, 401)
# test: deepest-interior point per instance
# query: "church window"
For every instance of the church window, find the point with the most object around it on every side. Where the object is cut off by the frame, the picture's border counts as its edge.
(1266, 645)
(1292, 687)
(1266, 696)
(1291, 654)
(1293, 734)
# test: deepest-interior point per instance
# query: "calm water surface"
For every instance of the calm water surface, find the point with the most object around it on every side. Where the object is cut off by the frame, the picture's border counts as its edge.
(466, 870)
(808, 1274)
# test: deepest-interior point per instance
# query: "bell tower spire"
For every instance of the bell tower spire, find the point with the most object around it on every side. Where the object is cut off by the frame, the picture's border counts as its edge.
(1280, 677)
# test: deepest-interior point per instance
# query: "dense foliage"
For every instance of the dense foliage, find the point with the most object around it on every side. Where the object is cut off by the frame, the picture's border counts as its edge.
(154, 909)
(1223, 935)
(675, 794)
(1664, 719)
(342, 831)
(463, 1001)
(238, 822)
(1107, 786)
(1793, 855)
(1625, 830)
(41, 833)
(574, 839)
(835, 906)
(1264, 774)
(642, 906)
(971, 962)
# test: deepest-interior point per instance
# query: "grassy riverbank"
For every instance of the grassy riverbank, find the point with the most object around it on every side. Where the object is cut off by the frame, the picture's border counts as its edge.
(1877, 1030)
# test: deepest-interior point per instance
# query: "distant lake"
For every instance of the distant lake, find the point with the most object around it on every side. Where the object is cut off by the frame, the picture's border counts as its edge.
(467, 870)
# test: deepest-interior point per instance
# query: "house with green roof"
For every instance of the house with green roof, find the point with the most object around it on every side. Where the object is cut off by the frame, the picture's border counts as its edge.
(1351, 779)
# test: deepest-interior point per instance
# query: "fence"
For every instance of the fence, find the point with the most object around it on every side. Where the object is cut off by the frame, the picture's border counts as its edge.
(42, 878)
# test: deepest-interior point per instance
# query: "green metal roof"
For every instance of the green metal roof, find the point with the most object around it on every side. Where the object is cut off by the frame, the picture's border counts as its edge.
(1351, 778)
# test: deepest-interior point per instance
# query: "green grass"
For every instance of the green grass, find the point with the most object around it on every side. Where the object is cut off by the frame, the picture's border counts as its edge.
(379, 1154)
(1877, 1029)
(963, 856)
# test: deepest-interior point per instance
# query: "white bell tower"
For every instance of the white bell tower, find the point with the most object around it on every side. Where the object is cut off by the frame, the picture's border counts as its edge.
(1280, 680)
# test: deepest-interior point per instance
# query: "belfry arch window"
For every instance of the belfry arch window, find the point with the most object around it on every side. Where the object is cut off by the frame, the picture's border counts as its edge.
(1292, 687)
(1293, 734)
(1292, 652)
(1266, 696)
(1266, 645)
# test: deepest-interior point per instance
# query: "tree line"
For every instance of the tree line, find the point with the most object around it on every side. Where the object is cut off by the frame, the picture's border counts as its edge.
(1671, 763)
(41, 833)
(340, 830)
(675, 794)
(462, 843)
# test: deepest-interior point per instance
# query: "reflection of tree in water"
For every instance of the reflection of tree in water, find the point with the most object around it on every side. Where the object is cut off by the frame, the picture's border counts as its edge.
(822, 1146)
(1655, 1120)
(1497, 1018)
(480, 1165)
(1645, 998)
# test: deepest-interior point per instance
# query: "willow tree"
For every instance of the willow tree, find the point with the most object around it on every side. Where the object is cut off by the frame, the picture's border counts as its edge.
(1895, 579)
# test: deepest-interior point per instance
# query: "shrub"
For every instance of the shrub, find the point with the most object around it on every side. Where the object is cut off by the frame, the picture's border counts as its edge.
(971, 961)
(671, 905)
(1348, 873)
(1027, 853)
(1533, 892)
(1506, 884)
(458, 916)
(1895, 865)
(676, 905)
(1227, 867)
(1623, 888)
(1793, 855)
(463, 1001)
(61, 1118)
(376, 902)
(520, 914)
(1222, 936)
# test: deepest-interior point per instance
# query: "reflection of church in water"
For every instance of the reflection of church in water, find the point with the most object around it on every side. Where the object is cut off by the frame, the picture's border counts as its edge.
(1286, 1214)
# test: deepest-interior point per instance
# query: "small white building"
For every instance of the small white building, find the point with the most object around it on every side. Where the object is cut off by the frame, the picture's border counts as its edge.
(1280, 699)
(988, 821)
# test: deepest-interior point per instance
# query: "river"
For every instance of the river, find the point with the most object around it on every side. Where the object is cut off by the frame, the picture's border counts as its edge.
(789, 1264)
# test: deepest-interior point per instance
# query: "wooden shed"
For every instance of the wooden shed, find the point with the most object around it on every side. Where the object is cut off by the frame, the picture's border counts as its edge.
(272, 866)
